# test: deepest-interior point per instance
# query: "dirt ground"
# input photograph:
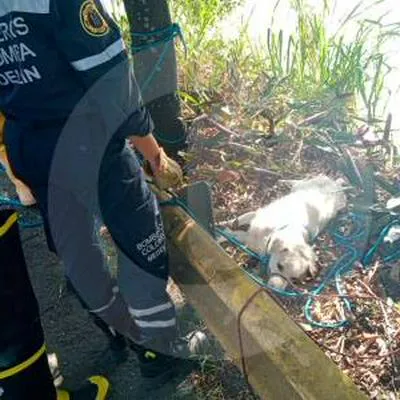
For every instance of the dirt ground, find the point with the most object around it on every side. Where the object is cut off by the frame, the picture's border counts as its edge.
(247, 170)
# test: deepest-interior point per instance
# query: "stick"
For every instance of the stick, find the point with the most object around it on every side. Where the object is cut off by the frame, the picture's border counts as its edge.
(221, 127)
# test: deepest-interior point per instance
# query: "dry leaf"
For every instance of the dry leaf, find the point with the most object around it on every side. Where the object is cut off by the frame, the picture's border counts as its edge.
(228, 175)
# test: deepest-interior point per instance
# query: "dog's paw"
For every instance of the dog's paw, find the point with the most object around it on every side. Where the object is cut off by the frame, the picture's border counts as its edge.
(341, 182)
(313, 270)
(278, 282)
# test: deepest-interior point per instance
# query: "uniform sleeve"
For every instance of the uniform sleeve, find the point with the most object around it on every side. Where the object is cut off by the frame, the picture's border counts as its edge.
(2, 124)
(91, 42)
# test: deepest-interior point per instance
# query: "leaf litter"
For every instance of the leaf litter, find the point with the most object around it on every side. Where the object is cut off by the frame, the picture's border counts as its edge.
(246, 170)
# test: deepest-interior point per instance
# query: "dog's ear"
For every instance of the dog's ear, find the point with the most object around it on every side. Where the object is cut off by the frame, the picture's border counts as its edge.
(274, 244)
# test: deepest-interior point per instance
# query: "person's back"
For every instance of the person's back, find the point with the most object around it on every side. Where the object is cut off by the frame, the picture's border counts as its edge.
(45, 68)
(52, 52)
(35, 77)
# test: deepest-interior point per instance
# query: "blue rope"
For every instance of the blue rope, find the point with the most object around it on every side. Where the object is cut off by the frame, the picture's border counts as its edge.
(351, 254)
(168, 141)
(374, 249)
(341, 267)
(168, 35)
(26, 222)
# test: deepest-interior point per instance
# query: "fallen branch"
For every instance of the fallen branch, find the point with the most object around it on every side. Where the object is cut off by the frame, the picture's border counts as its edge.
(265, 171)
(313, 118)
(244, 147)
(221, 127)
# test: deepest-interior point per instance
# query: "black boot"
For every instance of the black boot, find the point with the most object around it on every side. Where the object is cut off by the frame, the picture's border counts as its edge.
(28, 379)
(160, 362)
(96, 388)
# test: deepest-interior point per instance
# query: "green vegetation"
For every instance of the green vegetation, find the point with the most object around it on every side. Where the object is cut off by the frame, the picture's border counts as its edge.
(292, 75)
(305, 72)
(300, 89)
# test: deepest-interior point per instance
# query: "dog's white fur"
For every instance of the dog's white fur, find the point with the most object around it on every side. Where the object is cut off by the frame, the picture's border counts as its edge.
(283, 229)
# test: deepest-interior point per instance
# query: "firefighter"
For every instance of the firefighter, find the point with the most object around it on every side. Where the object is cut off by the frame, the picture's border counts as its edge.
(71, 102)
(24, 369)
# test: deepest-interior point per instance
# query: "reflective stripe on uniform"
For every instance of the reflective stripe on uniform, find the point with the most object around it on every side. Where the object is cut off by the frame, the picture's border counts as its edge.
(156, 324)
(12, 219)
(25, 6)
(94, 61)
(24, 365)
(106, 307)
(150, 311)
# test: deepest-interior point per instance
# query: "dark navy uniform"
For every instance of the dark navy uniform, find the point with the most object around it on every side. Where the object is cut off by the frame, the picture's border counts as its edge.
(71, 99)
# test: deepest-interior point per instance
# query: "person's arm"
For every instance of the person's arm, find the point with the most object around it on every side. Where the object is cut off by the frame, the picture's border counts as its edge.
(148, 146)
(92, 43)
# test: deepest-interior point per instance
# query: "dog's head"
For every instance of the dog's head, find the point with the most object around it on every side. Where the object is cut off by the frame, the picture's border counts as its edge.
(291, 255)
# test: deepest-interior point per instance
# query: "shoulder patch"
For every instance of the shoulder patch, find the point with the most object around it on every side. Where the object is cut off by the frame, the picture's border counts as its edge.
(92, 21)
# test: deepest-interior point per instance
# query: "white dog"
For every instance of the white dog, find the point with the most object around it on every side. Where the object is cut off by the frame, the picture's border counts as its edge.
(284, 228)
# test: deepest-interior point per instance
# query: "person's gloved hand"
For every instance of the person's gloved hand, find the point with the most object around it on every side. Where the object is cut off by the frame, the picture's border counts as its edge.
(165, 171)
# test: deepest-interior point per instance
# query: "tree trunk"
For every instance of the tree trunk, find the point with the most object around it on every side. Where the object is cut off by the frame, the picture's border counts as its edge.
(156, 69)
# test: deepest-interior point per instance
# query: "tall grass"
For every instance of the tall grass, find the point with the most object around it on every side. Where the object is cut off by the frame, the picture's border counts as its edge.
(315, 65)
(205, 61)
(317, 62)
(309, 65)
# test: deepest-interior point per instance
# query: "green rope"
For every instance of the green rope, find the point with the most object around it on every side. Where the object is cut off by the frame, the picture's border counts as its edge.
(27, 218)
(153, 39)
(159, 37)
(352, 253)
(168, 141)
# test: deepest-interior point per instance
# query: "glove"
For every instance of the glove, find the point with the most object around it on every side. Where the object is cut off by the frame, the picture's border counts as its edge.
(165, 172)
